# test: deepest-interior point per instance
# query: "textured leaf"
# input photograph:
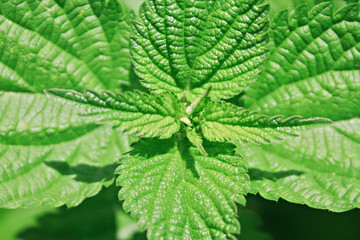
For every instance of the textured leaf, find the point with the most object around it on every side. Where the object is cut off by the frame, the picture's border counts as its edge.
(138, 112)
(314, 65)
(69, 44)
(312, 3)
(45, 149)
(187, 46)
(48, 156)
(178, 193)
(222, 121)
(319, 169)
(195, 140)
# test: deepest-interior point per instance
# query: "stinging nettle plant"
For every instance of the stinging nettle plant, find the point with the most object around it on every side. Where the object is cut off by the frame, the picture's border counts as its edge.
(184, 174)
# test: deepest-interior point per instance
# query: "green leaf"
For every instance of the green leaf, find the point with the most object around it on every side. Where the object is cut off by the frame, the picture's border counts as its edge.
(314, 65)
(312, 3)
(48, 156)
(319, 169)
(45, 149)
(195, 140)
(73, 44)
(222, 121)
(187, 46)
(137, 112)
(176, 192)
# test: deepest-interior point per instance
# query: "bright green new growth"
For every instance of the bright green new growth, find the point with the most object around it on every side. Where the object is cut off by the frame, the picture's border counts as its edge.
(187, 46)
(139, 113)
(185, 186)
(221, 121)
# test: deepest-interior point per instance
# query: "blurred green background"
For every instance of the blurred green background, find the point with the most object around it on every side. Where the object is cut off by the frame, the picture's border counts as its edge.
(102, 218)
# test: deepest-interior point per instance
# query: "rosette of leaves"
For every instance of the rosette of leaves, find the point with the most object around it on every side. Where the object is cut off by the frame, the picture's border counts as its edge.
(183, 178)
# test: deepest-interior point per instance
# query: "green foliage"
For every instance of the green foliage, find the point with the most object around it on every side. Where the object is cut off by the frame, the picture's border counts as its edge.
(37, 132)
(168, 184)
(321, 167)
(221, 121)
(183, 178)
(313, 66)
(177, 192)
(72, 44)
(140, 113)
(186, 47)
(48, 155)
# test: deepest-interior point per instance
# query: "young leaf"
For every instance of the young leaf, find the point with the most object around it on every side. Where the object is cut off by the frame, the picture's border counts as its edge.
(49, 156)
(176, 192)
(187, 46)
(73, 44)
(137, 112)
(314, 65)
(319, 169)
(195, 140)
(222, 121)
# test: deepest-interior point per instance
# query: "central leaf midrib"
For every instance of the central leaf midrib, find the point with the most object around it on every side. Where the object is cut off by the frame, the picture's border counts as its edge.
(28, 85)
(227, 56)
(61, 48)
(191, 66)
(173, 72)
